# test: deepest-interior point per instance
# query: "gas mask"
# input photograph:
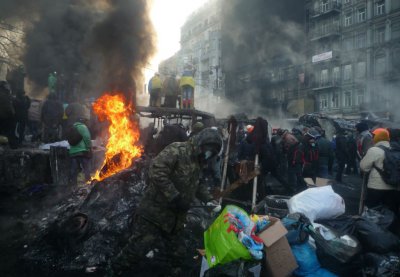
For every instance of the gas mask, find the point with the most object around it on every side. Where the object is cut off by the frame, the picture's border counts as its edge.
(208, 151)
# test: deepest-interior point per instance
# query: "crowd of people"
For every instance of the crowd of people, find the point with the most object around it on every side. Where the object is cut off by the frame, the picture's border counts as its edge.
(24, 120)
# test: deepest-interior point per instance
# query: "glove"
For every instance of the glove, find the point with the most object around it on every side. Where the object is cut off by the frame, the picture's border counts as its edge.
(214, 203)
(180, 204)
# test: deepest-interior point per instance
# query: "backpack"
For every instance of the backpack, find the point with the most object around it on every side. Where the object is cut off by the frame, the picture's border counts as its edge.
(73, 136)
(391, 166)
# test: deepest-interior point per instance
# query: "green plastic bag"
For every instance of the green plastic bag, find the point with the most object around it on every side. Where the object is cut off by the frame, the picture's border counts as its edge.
(223, 247)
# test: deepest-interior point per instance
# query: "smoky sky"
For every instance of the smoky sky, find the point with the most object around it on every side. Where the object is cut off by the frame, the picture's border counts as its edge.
(96, 45)
(260, 35)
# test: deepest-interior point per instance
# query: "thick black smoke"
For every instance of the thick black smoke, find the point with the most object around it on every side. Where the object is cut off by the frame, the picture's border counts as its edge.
(258, 36)
(95, 44)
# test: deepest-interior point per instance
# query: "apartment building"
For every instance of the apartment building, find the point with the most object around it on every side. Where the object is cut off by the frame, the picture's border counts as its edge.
(354, 55)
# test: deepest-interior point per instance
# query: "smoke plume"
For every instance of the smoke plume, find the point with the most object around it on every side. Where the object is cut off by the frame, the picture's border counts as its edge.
(96, 45)
(258, 37)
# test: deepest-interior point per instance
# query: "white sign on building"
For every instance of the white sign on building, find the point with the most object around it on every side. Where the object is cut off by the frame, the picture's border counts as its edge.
(322, 57)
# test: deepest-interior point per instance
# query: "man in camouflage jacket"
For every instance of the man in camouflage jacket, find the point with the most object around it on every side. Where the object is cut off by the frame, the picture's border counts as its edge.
(173, 185)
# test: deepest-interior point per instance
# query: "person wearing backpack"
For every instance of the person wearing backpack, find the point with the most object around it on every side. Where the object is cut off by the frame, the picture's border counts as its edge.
(379, 192)
(80, 150)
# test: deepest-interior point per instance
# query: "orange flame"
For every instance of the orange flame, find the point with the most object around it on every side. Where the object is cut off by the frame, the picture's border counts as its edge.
(124, 134)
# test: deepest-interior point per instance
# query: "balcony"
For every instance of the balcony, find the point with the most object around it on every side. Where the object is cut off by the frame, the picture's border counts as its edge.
(326, 9)
(324, 32)
(325, 85)
(324, 57)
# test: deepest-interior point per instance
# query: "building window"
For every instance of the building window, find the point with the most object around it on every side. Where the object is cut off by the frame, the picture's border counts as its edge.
(361, 69)
(324, 6)
(380, 35)
(347, 19)
(335, 100)
(336, 75)
(361, 15)
(347, 72)
(324, 77)
(380, 7)
(323, 102)
(347, 1)
(348, 44)
(360, 96)
(380, 65)
(396, 30)
(361, 40)
(347, 99)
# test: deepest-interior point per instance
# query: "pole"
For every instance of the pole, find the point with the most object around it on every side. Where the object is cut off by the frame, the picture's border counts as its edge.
(226, 158)
(254, 198)
(363, 194)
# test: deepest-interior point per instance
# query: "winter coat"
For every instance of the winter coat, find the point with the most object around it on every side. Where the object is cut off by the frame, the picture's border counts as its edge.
(6, 106)
(341, 148)
(171, 87)
(175, 171)
(325, 152)
(155, 83)
(85, 145)
(21, 106)
(52, 112)
(364, 142)
(375, 156)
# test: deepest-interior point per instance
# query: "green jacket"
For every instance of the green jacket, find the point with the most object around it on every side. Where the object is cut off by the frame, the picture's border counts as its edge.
(85, 144)
(175, 171)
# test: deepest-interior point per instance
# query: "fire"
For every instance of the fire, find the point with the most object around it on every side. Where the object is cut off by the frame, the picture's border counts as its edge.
(124, 134)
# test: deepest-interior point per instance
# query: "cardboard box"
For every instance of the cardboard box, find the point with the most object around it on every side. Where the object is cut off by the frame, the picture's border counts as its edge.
(279, 259)
(319, 182)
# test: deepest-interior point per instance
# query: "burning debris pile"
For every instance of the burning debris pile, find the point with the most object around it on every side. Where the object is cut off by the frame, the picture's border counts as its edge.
(87, 231)
(124, 134)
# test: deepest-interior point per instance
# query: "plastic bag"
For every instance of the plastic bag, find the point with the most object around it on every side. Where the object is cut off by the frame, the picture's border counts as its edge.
(379, 215)
(341, 248)
(317, 203)
(342, 225)
(297, 225)
(382, 265)
(308, 262)
(376, 239)
(222, 246)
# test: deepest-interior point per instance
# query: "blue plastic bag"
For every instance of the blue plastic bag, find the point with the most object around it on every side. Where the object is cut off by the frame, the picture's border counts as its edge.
(308, 262)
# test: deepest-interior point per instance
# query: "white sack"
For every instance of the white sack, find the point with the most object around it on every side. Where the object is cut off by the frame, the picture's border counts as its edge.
(317, 203)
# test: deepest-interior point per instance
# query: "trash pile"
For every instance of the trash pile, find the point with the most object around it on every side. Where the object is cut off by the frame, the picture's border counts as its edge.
(315, 238)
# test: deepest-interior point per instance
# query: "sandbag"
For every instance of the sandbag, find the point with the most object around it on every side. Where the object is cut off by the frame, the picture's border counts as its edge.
(317, 203)
(376, 239)
(382, 265)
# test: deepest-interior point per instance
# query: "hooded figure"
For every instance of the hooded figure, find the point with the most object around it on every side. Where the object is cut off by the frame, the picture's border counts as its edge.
(364, 139)
(378, 191)
(173, 186)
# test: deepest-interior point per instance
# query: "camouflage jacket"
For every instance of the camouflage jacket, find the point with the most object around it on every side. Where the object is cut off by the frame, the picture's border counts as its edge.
(175, 171)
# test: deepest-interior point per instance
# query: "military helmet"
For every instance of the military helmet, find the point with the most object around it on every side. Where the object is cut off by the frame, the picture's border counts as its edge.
(209, 136)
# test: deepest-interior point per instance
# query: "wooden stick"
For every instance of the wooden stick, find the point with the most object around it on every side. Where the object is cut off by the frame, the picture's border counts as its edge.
(253, 200)
(226, 158)
(363, 193)
(238, 183)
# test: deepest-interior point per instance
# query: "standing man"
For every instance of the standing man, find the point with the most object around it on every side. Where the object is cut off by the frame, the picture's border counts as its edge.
(80, 151)
(51, 117)
(364, 139)
(22, 104)
(159, 221)
(155, 87)
(52, 82)
(342, 154)
(379, 193)
(7, 114)
(325, 149)
(171, 90)
(186, 85)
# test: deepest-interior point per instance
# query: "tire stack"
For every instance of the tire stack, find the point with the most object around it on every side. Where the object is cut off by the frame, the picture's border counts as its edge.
(276, 205)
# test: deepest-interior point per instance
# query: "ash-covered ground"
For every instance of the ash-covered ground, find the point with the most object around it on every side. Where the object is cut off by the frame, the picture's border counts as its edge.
(60, 231)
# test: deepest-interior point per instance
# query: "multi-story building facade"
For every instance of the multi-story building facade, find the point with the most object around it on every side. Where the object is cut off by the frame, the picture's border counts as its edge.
(354, 55)
(201, 51)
